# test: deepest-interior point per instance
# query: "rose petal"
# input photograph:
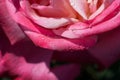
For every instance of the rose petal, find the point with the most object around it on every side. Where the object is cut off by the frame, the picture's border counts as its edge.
(10, 27)
(56, 8)
(26, 70)
(100, 28)
(103, 6)
(107, 50)
(1, 64)
(67, 32)
(54, 43)
(115, 5)
(80, 6)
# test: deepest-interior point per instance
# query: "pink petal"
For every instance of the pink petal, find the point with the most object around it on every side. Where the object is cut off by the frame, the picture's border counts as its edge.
(102, 7)
(80, 6)
(67, 32)
(101, 27)
(107, 51)
(111, 9)
(57, 8)
(10, 27)
(1, 64)
(67, 44)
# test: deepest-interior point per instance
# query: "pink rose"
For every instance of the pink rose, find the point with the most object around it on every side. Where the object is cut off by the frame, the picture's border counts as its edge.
(77, 33)
(73, 23)
(57, 25)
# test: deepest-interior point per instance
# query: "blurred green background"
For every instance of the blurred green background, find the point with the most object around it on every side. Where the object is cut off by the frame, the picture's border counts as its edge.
(91, 72)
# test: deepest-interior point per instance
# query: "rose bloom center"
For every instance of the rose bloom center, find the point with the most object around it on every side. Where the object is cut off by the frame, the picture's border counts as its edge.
(63, 15)
(80, 9)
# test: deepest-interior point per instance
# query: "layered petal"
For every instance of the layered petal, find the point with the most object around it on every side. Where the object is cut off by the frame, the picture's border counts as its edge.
(47, 22)
(67, 44)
